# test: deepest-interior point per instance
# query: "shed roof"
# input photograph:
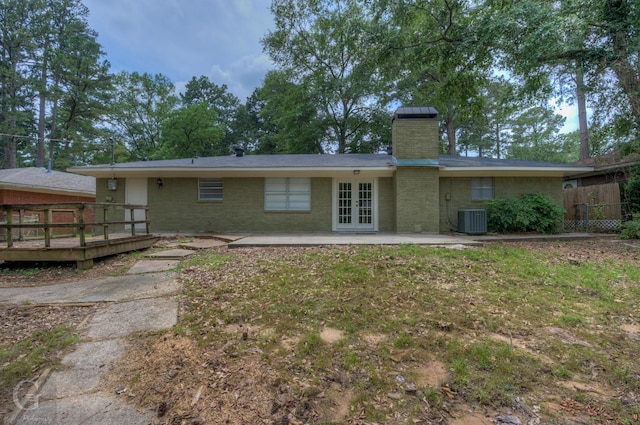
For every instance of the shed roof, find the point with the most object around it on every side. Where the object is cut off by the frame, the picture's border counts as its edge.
(36, 179)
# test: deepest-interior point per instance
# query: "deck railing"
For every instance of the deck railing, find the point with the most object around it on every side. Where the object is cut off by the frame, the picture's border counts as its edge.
(31, 218)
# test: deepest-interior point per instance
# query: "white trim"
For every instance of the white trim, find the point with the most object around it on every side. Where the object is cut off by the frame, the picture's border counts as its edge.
(136, 194)
(374, 199)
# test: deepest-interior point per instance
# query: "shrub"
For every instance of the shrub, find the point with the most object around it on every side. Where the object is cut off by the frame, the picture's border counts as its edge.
(631, 229)
(532, 212)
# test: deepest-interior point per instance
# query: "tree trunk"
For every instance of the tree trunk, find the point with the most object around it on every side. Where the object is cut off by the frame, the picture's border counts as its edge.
(451, 132)
(41, 111)
(582, 115)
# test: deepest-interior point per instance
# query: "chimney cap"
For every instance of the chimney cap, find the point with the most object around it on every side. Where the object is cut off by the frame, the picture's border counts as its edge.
(413, 112)
(239, 151)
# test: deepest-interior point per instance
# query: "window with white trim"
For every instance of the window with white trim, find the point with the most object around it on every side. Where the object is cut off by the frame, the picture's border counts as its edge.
(287, 194)
(481, 188)
(210, 189)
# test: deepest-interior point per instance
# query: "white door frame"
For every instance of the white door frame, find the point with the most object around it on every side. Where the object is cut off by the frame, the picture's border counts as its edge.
(135, 194)
(355, 226)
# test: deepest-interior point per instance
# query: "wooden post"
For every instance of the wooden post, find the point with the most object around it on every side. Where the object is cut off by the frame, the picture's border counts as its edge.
(21, 221)
(47, 229)
(9, 229)
(105, 226)
(81, 225)
(146, 217)
(133, 225)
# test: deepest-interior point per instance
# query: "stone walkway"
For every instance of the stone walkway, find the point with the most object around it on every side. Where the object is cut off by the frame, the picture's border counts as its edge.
(140, 301)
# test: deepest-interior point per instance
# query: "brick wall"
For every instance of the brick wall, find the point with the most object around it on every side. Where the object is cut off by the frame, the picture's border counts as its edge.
(23, 197)
(458, 192)
(175, 207)
(417, 192)
(415, 138)
(386, 205)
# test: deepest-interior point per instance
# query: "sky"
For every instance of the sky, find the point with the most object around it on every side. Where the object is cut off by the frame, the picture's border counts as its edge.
(181, 39)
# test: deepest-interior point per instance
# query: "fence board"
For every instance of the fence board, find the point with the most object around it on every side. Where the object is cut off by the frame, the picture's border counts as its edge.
(602, 194)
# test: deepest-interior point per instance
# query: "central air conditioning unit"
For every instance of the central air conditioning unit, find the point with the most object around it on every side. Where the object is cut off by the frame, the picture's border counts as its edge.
(472, 222)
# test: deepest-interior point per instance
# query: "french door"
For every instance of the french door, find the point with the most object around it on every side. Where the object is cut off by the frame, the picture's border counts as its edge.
(355, 205)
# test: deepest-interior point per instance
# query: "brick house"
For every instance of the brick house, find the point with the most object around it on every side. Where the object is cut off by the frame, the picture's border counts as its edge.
(411, 189)
(31, 185)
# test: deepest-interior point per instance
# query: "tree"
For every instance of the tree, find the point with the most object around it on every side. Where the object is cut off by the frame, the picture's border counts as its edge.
(218, 98)
(598, 40)
(489, 132)
(17, 52)
(436, 57)
(49, 53)
(534, 135)
(254, 130)
(141, 103)
(327, 51)
(191, 130)
(292, 111)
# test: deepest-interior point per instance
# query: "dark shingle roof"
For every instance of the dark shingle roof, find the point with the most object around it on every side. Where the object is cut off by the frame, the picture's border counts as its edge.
(40, 178)
(463, 161)
(263, 161)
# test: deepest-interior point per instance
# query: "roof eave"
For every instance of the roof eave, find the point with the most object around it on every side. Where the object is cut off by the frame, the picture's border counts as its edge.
(49, 190)
(123, 172)
(488, 171)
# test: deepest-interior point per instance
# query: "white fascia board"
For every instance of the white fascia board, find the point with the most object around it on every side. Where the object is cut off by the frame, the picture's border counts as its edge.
(177, 172)
(510, 171)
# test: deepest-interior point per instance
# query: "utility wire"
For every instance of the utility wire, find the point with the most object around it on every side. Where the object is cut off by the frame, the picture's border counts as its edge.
(32, 137)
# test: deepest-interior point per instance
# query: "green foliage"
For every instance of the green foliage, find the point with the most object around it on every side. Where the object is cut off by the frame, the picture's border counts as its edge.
(327, 54)
(631, 229)
(533, 212)
(192, 130)
(632, 190)
(20, 361)
(141, 103)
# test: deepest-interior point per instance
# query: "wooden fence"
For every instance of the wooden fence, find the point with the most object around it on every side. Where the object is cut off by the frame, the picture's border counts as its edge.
(597, 197)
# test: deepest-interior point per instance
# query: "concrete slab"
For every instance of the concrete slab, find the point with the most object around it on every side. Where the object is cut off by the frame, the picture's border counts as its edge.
(350, 239)
(117, 288)
(86, 409)
(121, 319)
(202, 244)
(152, 266)
(171, 254)
(82, 369)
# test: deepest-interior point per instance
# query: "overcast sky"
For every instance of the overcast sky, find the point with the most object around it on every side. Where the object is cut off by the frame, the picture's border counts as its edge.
(189, 38)
(185, 38)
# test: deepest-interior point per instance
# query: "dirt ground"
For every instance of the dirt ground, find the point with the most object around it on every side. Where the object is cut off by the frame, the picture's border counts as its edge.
(236, 385)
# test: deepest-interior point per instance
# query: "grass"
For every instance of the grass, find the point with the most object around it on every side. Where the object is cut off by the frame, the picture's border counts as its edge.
(428, 304)
(23, 360)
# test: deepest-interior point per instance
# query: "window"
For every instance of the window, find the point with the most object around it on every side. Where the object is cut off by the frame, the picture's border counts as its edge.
(481, 188)
(287, 194)
(210, 189)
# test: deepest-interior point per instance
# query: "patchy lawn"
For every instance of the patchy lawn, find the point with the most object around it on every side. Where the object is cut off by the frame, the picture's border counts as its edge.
(541, 333)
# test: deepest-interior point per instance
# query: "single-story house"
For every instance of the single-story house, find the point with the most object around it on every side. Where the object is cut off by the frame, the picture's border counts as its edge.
(411, 189)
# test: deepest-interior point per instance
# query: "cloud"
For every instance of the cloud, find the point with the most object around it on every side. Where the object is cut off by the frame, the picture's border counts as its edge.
(185, 38)
(241, 76)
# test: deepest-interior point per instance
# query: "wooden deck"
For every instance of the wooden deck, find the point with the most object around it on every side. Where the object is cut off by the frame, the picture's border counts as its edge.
(30, 240)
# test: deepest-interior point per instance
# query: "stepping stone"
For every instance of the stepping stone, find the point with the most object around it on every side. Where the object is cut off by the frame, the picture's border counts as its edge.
(171, 254)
